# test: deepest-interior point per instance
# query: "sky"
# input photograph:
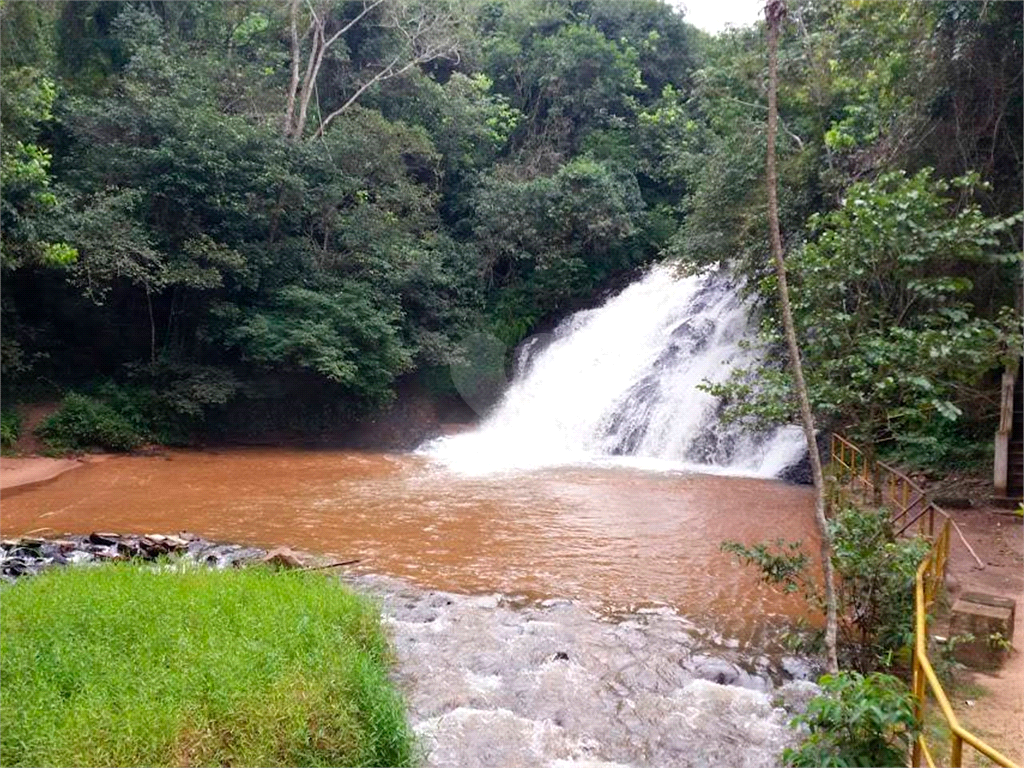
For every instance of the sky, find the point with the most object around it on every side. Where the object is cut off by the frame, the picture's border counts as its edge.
(713, 15)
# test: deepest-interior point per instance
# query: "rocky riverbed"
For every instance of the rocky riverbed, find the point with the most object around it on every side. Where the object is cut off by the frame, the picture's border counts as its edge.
(28, 555)
(496, 680)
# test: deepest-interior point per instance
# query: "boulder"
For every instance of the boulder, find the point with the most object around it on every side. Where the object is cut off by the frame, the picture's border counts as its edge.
(283, 557)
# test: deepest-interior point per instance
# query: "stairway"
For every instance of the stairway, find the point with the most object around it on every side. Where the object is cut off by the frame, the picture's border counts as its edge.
(1015, 471)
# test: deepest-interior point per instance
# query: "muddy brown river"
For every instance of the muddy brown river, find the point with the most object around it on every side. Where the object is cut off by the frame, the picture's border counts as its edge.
(560, 617)
(611, 537)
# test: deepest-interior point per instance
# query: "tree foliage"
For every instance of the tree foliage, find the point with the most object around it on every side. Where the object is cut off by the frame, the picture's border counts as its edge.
(857, 720)
(460, 166)
(874, 588)
(893, 340)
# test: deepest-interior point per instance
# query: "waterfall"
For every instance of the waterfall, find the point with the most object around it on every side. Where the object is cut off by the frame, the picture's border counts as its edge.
(619, 385)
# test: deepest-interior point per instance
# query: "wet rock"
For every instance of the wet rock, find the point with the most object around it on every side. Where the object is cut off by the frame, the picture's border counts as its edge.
(714, 669)
(111, 552)
(796, 668)
(281, 557)
(27, 556)
(794, 696)
(800, 472)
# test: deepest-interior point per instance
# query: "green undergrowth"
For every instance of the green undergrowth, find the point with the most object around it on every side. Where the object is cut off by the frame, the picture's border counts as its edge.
(83, 422)
(132, 665)
(10, 429)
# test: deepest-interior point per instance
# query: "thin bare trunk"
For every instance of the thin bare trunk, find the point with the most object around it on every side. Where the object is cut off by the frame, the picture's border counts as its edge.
(295, 125)
(384, 74)
(775, 11)
(152, 327)
(293, 86)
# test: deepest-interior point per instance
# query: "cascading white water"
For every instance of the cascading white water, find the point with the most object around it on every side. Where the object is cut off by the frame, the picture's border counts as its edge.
(619, 384)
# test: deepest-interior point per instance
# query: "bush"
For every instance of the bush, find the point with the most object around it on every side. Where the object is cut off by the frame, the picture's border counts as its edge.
(874, 589)
(83, 422)
(857, 720)
(134, 665)
(10, 428)
(941, 446)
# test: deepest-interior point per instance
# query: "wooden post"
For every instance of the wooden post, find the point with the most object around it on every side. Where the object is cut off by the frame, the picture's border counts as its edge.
(1001, 464)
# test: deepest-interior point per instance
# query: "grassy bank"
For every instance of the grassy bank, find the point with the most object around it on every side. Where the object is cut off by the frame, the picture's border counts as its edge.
(124, 665)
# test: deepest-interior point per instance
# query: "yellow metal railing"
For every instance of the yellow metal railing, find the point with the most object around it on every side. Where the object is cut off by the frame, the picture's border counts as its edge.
(910, 505)
(882, 485)
(928, 584)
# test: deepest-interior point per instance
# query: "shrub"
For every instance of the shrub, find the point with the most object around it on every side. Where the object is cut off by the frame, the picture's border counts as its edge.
(84, 422)
(138, 665)
(875, 588)
(857, 720)
(10, 428)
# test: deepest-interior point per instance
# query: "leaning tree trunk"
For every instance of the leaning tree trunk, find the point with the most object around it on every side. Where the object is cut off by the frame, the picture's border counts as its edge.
(775, 11)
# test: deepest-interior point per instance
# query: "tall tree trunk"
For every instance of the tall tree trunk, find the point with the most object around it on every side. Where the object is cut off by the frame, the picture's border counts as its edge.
(775, 11)
(293, 86)
(152, 328)
(294, 124)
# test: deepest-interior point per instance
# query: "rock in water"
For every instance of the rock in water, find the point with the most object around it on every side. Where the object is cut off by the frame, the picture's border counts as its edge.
(283, 557)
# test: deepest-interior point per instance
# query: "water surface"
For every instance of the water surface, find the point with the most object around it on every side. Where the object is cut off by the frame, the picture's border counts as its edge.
(615, 538)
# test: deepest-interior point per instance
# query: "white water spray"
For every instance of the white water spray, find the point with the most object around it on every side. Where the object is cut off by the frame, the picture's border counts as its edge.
(619, 385)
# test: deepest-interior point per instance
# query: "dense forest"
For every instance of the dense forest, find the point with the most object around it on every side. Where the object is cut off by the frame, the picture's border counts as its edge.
(227, 218)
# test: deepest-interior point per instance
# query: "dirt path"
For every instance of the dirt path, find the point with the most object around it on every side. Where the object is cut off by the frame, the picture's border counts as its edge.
(994, 710)
(32, 414)
(28, 467)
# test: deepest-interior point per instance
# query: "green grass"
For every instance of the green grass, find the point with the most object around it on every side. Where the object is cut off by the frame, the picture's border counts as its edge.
(128, 665)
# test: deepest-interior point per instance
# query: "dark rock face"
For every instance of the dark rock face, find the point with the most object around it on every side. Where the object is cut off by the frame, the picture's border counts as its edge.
(800, 472)
(712, 447)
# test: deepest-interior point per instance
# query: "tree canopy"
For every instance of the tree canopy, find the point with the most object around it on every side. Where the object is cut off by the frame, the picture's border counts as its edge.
(209, 202)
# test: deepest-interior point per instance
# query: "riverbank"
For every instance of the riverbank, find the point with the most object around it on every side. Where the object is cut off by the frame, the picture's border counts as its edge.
(19, 471)
(136, 664)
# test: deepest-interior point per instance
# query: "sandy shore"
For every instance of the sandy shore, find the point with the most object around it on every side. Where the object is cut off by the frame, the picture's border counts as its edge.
(36, 469)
